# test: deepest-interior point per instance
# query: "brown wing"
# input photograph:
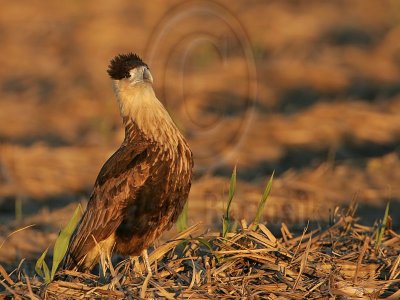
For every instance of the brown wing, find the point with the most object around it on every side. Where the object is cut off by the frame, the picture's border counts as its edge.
(117, 183)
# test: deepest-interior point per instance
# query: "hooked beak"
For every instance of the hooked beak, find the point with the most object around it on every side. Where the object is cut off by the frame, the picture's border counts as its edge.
(147, 75)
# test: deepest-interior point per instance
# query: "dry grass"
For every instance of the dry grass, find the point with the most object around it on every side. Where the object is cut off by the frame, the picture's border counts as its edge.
(326, 108)
(339, 261)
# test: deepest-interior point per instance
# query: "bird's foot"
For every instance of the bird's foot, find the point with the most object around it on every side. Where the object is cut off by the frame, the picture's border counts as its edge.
(135, 264)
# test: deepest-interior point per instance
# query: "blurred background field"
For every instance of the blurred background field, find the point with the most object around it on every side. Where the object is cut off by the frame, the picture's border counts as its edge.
(310, 89)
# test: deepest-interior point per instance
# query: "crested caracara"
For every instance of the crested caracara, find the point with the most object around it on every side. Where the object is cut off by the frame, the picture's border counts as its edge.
(142, 188)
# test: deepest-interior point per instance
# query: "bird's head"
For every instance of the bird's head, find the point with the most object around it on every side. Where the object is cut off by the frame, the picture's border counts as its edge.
(132, 83)
(129, 69)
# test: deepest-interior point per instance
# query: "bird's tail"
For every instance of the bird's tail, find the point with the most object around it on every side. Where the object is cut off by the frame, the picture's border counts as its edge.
(70, 260)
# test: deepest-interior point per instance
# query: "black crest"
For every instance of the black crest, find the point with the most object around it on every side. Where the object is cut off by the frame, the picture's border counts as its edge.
(121, 64)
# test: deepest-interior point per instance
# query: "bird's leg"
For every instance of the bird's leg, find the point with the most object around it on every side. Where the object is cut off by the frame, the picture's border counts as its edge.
(146, 261)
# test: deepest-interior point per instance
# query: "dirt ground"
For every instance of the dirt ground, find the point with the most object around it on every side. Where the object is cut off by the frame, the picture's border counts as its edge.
(310, 89)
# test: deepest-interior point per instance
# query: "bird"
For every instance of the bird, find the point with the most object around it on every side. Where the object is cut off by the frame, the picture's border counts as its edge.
(142, 188)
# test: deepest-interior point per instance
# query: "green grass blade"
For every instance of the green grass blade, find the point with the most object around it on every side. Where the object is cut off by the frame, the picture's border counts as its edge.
(47, 278)
(62, 242)
(39, 264)
(226, 219)
(263, 200)
(225, 225)
(204, 242)
(18, 209)
(382, 227)
(182, 222)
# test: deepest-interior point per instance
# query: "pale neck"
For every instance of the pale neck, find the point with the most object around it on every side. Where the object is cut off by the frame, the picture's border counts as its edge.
(140, 104)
